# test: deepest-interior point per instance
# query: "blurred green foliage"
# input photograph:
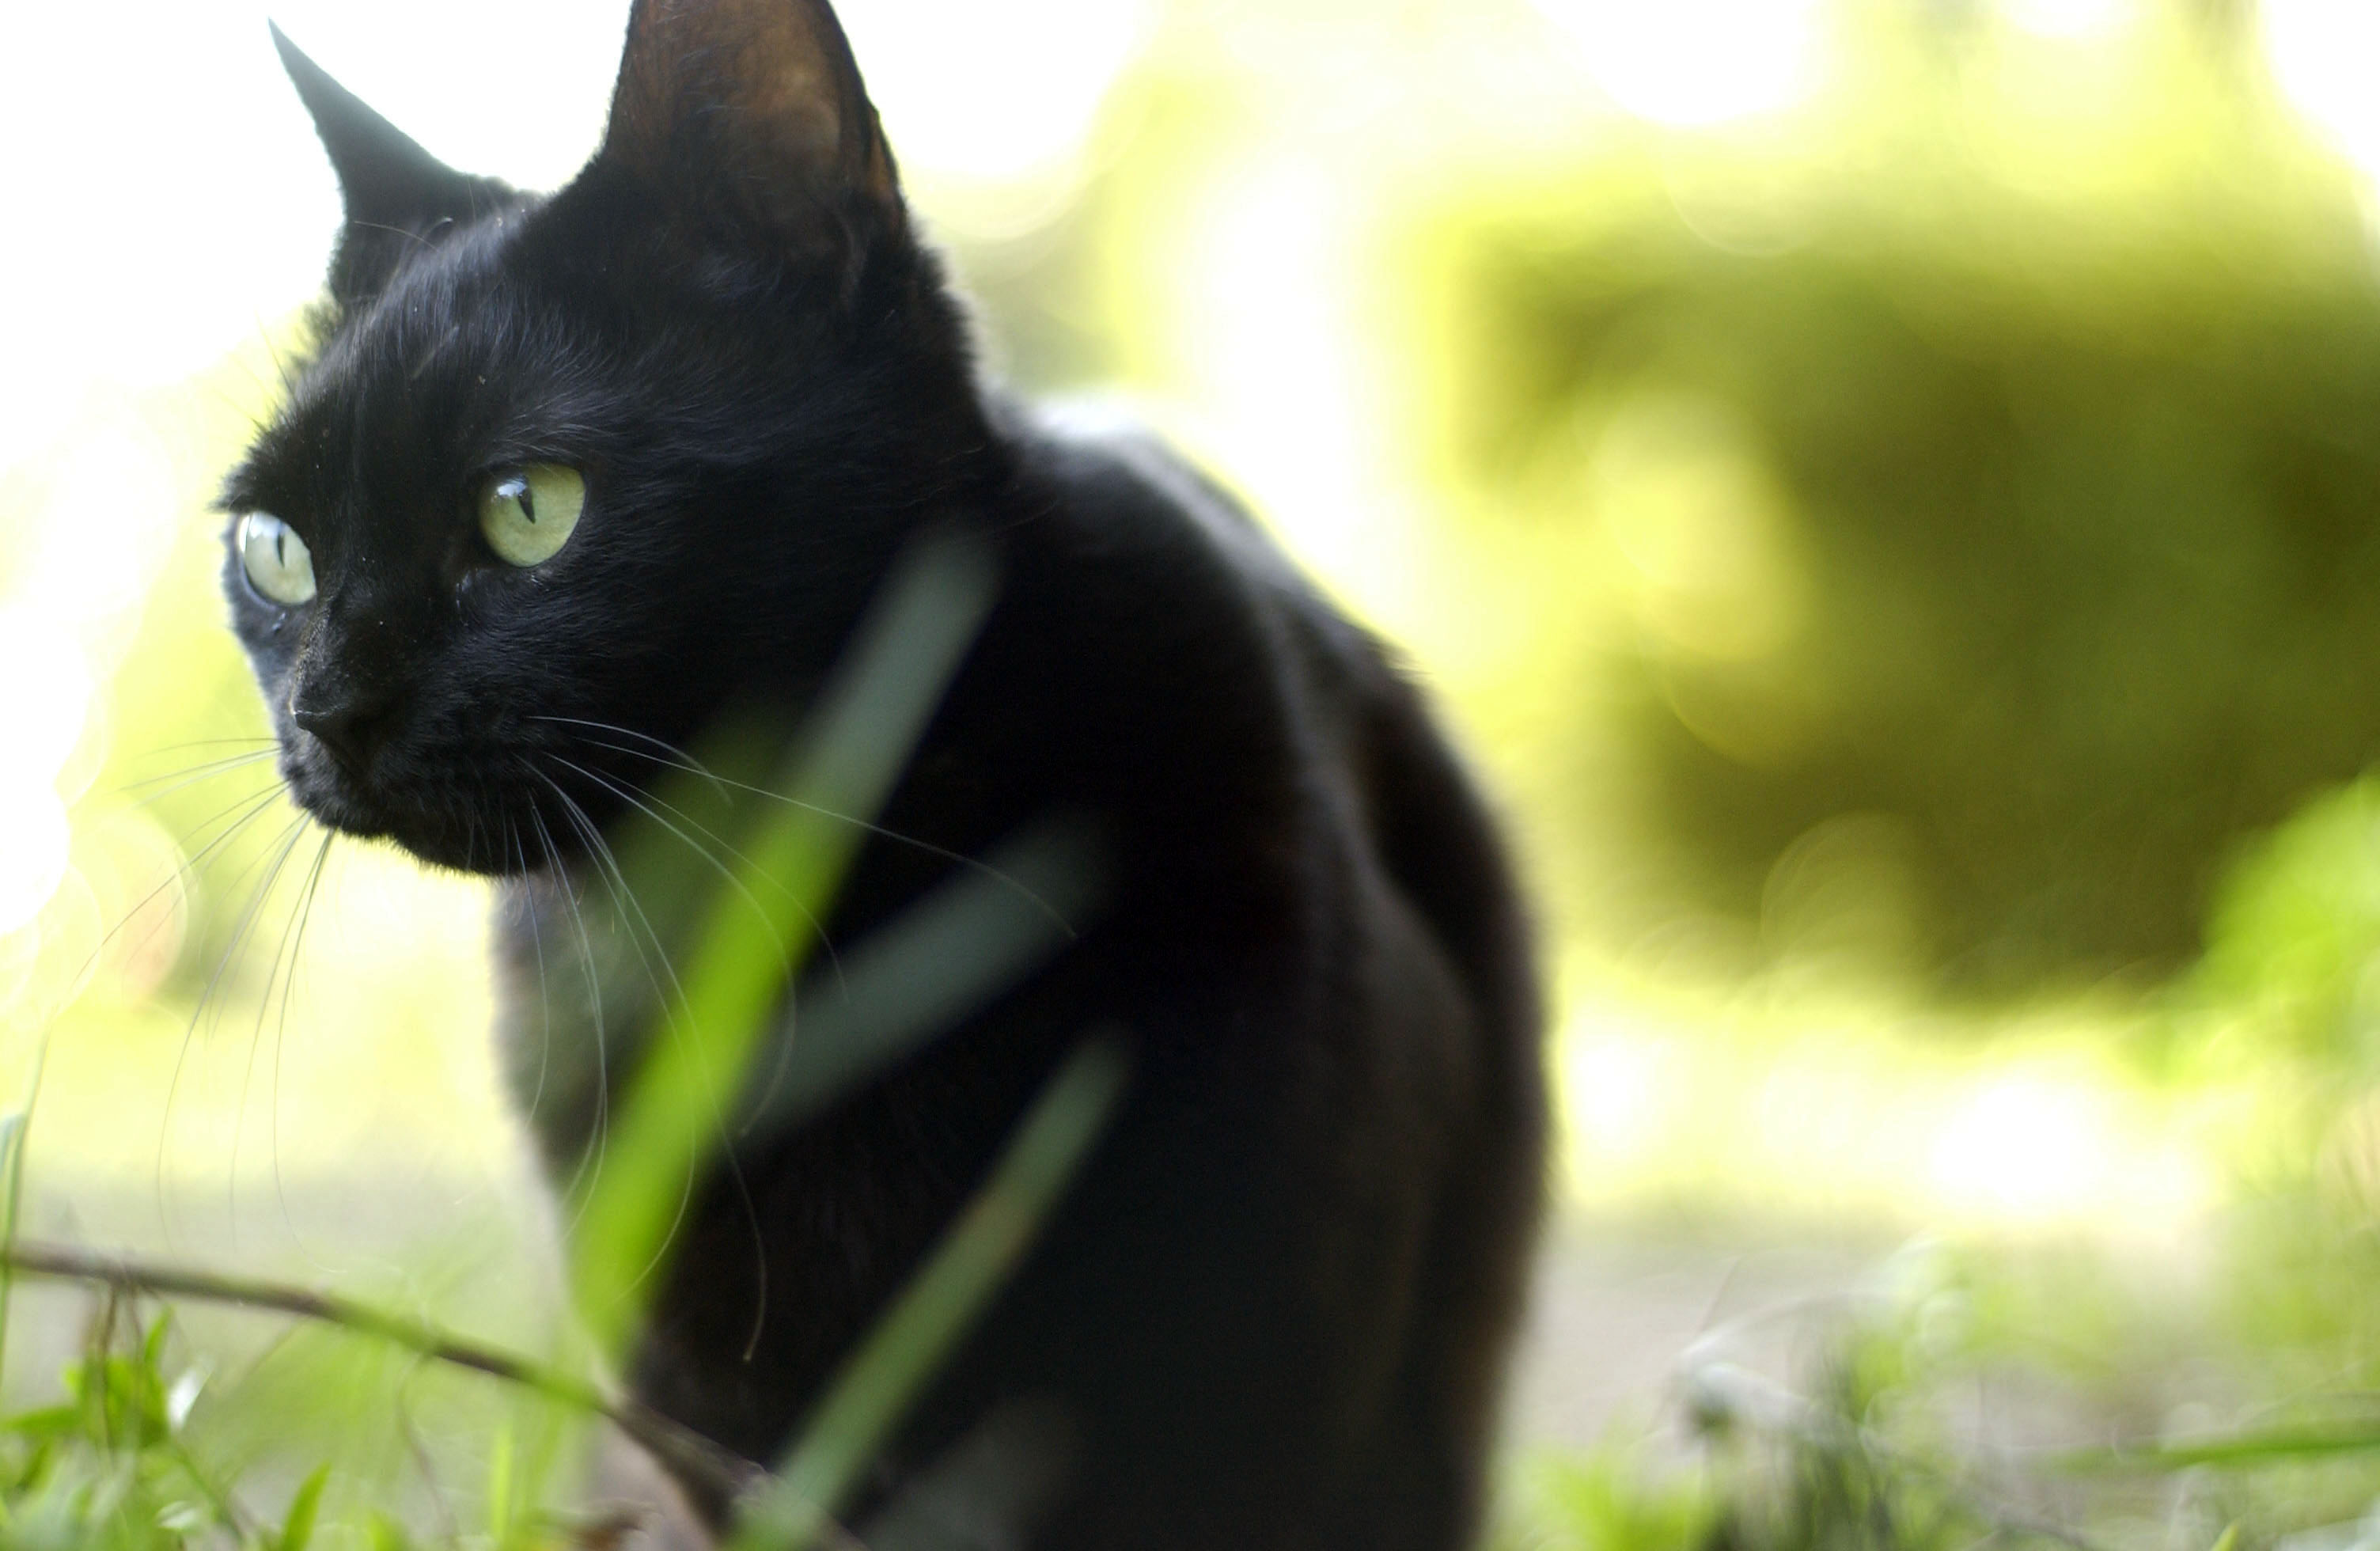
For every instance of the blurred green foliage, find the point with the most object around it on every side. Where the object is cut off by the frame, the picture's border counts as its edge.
(1991, 562)
(1609, 1499)
(2293, 935)
(1984, 1397)
(109, 1466)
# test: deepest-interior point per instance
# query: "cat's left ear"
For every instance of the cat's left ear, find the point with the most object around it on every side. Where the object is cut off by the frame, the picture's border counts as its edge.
(749, 118)
(397, 196)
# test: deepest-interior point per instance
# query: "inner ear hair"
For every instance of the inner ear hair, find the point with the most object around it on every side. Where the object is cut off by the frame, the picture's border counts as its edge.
(754, 108)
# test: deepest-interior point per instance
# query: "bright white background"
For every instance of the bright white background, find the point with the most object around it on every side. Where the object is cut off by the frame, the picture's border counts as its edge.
(167, 196)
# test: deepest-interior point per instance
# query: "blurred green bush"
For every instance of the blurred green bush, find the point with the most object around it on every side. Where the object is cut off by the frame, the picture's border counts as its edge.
(1991, 563)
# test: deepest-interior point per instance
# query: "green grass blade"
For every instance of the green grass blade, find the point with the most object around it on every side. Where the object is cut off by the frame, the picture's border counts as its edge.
(297, 1524)
(948, 955)
(14, 1133)
(498, 1496)
(911, 1341)
(854, 746)
(2246, 1450)
(12, 1149)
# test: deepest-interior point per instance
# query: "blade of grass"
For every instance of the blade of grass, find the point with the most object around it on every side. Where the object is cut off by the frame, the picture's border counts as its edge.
(855, 745)
(14, 1133)
(945, 956)
(500, 1487)
(2247, 1449)
(297, 1524)
(940, 1302)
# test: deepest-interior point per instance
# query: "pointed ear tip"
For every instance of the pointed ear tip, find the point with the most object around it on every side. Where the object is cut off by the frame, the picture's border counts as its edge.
(293, 59)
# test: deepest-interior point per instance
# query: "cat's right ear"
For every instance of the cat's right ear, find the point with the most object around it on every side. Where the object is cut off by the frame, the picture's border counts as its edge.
(748, 119)
(397, 196)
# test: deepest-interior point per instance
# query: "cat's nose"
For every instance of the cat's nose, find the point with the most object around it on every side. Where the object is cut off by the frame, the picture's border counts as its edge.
(348, 726)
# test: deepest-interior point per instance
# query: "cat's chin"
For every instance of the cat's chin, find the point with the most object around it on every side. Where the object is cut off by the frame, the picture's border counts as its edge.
(458, 855)
(339, 811)
(459, 844)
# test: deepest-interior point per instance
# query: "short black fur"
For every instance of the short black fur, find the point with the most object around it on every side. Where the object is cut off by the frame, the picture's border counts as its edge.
(1273, 1311)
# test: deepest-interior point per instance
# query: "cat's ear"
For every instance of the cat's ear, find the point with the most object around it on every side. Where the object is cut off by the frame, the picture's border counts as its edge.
(751, 113)
(397, 195)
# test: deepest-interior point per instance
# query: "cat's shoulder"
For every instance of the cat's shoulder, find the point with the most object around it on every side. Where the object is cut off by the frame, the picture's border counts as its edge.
(1118, 478)
(1211, 584)
(1106, 457)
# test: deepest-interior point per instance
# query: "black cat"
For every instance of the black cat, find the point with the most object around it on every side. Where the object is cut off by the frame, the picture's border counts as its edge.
(569, 477)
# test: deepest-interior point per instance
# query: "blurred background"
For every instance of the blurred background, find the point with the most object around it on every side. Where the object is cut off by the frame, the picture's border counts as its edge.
(1888, 491)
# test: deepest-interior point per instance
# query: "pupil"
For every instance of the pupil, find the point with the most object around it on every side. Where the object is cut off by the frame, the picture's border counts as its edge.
(528, 499)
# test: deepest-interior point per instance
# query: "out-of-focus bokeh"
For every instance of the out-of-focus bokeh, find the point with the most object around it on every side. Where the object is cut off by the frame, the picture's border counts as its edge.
(1888, 491)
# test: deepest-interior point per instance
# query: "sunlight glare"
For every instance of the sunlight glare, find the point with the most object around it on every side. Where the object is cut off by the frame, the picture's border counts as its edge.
(33, 840)
(2041, 1145)
(1618, 1090)
(2071, 19)
(2025, 1145)
(1691, 63)
(113, 479)
(991, 91)
(1266, 336)
(2321, 55)
(45, 704)
(204, 218)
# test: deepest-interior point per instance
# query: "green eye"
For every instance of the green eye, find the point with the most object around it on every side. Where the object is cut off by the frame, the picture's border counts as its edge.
(527, 514)
(278, 564)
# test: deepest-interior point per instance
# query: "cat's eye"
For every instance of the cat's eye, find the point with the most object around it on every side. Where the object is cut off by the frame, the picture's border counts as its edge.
(278, 564)
(527, 514)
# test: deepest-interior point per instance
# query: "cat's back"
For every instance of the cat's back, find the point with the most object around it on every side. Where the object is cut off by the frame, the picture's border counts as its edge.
(1408, 1108)
(1357, 724)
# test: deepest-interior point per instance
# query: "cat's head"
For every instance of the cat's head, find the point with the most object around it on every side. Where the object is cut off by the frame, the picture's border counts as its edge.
(564, 476)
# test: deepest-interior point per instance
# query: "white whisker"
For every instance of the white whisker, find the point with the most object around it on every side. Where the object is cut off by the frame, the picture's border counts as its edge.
(879, 831)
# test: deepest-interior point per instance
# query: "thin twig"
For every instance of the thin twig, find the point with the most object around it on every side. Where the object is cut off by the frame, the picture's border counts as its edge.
(674, 1444)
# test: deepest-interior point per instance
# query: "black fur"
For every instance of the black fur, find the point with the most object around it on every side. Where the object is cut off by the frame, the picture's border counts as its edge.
(1273, 1309)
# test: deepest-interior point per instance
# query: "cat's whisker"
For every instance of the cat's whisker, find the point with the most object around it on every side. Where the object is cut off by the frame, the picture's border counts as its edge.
(305, 911)
(189, 776)
(926, 847)
(536, 944)
(631, 911)
(244, 745)
(247, 808)
(651, 806)
(589, 1168)
(625, 900)
(272, 969)
(719, 1119)
(680, 758)
(251, 741)
(246, 811)
(187, 870)
(285, 841)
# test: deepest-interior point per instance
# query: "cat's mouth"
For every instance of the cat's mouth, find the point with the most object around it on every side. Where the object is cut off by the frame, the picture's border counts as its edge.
(339, 809)
(481, 829)
(494, 811)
